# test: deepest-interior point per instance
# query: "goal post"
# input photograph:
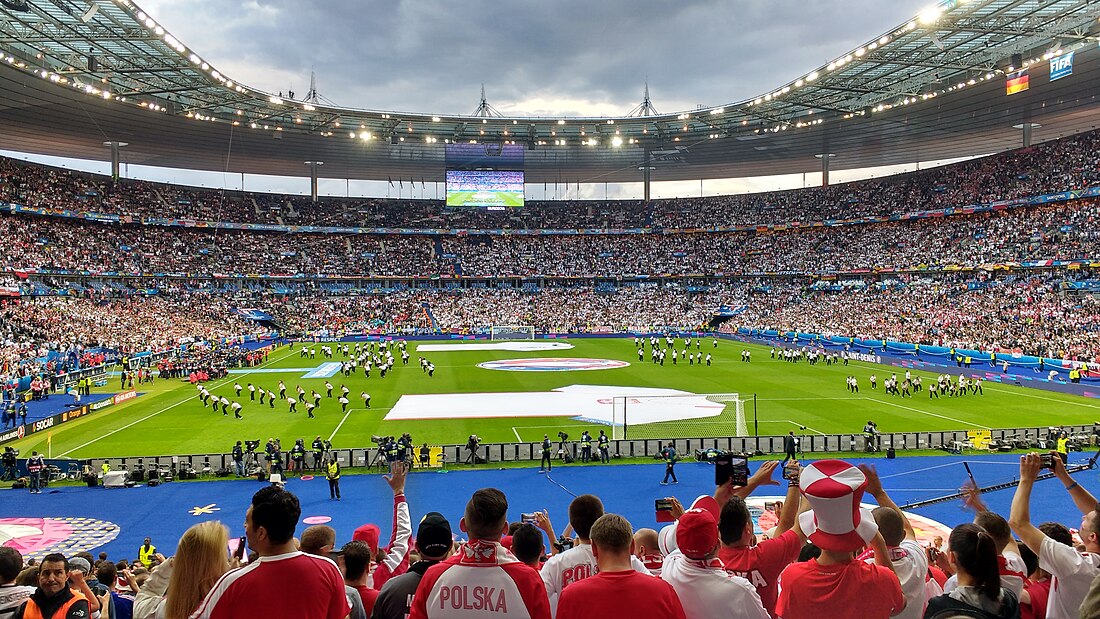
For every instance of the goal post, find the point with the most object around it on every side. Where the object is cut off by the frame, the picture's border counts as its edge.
(511, 332)
(678, 416)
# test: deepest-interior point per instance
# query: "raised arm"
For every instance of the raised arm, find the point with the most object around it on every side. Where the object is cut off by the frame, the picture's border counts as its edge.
(1020, 516)
(874, 488)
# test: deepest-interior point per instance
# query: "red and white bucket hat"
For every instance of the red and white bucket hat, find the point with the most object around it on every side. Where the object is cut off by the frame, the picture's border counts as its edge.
(836, 521)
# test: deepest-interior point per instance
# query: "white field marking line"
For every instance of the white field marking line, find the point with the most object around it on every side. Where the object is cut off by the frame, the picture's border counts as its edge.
(989, 385)
(1039, 397)
(917, 410)
(519, 439)
(169, 407)
(797, 425)
(795, 399)
(348, 414)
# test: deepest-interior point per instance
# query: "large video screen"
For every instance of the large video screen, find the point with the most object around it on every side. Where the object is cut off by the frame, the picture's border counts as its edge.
(495, 189)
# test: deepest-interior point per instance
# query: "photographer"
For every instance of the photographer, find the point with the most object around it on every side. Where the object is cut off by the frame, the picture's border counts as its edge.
(318, 452)
(603, 443)
(870, 436)
(586, 446)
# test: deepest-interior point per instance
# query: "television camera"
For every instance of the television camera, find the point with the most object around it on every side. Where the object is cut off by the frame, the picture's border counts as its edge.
(472, 445)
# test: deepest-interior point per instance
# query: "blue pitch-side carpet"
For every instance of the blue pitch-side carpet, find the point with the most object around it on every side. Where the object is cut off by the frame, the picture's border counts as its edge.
(163, 512)
(58, 403)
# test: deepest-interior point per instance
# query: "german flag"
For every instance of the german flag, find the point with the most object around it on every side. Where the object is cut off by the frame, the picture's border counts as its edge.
(1016, 82)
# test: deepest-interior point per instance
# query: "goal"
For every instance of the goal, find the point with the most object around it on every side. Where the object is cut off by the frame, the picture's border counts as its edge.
(678, 416)
(511, 332)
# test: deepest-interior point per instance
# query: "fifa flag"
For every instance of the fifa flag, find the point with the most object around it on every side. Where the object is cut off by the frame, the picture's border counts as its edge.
(1061, 66)
(1017, 82)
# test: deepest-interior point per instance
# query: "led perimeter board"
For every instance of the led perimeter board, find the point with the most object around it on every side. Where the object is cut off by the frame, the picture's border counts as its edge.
(493, 189)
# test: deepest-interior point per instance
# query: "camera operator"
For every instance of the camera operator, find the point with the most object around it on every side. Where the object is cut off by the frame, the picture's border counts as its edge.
(472, 445)
(546, 460)
(9, 460)
(586, 446)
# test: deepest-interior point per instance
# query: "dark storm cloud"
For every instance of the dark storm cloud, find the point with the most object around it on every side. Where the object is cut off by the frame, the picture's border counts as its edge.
(563, 58)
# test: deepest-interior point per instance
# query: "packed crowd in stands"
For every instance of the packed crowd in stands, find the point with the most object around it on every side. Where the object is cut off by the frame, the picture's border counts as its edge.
(1029, 315)
(1062, 231)
(824, 554)
(1068, 163)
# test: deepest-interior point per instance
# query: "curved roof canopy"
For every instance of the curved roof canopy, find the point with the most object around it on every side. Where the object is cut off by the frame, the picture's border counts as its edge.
(77, 73)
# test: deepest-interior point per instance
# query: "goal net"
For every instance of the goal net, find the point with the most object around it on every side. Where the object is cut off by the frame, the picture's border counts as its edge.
(678, 416)
(511, 332)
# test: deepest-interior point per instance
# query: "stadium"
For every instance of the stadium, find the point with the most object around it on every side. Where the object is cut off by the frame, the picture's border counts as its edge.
(500, 316)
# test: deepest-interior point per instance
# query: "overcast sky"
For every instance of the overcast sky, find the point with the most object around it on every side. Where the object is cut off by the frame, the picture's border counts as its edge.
(559, 58)
(565, 57)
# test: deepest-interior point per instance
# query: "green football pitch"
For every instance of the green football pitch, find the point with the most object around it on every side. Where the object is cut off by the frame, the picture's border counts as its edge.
(465, 198)
(168, 418)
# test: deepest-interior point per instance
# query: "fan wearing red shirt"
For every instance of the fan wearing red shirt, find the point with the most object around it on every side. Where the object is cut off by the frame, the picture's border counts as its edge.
(260, 589)
(839, 526)
(760, 564)
(617, 590)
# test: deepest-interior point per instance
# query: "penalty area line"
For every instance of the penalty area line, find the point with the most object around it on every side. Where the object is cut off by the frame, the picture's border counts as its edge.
(228, 380)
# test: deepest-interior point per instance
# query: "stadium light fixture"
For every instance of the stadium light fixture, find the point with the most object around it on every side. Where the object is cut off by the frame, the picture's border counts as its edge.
(275, 100)
(616, 141)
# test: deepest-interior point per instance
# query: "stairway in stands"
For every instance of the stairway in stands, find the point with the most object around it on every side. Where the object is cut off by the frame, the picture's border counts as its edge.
(431, 317)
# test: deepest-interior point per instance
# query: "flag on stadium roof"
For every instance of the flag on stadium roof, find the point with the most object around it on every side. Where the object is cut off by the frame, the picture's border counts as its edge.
(1016, 82)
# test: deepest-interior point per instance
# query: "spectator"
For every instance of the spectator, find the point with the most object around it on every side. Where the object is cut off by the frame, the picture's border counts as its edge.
(12, 595)
(482, 576)
(319, 540)
(618, 589)
(702, 586)
(648, 551)
(54, 599)
(973, 553)
(908, 558)
(579, 562)
(838, 526)
(260, 588)
(394, 560)
(355, 560)
(121, 605)
(760, 563)
(1071, 572)
(178, 585)
(528, 545)
(434, 544)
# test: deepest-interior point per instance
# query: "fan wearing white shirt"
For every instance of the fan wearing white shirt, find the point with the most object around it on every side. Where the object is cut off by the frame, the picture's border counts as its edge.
(1071, 571)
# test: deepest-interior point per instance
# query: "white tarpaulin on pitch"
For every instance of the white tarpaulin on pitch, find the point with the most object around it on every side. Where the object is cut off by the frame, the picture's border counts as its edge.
(594, 402)
(510, 346)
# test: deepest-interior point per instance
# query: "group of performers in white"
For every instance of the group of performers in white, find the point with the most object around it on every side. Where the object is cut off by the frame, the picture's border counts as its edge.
(658, 354)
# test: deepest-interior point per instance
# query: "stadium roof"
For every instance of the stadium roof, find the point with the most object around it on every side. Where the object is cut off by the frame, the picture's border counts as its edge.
(77, 73)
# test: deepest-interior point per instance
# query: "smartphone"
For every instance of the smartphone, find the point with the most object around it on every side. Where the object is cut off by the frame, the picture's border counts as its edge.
(529, 518)
(241, 543)
(663, 507)
(1047, 459)
(731, 468)
(771, 506)
(790, 471)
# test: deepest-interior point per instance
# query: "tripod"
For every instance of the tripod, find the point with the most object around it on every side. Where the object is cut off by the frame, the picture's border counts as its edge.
(472, 448)
(379, 459)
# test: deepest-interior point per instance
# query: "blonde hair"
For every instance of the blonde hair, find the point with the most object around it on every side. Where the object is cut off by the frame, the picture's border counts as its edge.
(201, 559)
